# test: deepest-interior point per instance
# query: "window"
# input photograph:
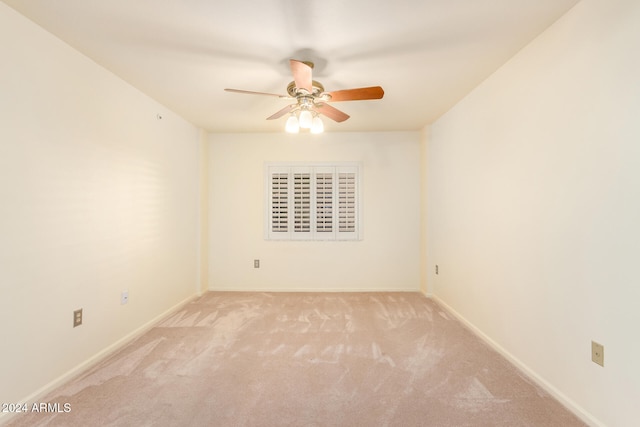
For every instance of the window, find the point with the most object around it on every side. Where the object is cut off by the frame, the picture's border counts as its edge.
(312, 201)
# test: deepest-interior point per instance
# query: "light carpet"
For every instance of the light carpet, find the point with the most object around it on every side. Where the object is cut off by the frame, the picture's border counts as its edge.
(305, 359)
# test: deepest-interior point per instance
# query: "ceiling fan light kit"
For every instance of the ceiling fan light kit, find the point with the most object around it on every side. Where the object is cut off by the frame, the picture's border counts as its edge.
(305, 120)
(317, 126)
(292, 125)
(312, 100)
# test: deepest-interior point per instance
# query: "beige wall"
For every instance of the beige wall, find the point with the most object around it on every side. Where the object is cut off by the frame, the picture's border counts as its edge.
(388, 258)
(96, 196)
(534, 202)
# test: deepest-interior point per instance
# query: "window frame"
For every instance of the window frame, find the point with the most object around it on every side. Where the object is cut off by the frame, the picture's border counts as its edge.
(307, 217)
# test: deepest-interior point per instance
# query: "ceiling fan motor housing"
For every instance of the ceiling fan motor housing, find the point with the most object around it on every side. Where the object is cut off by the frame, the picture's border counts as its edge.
(294, 92)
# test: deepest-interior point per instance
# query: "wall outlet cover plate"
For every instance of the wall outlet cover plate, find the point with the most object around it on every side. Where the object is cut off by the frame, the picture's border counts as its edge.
(597, 353)
(77, 318)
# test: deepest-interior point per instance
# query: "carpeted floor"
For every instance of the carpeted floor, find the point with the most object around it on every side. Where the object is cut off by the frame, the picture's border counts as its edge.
(305, 359)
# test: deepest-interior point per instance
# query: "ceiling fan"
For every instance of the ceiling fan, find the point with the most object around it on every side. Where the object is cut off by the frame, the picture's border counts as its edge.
(312, 100)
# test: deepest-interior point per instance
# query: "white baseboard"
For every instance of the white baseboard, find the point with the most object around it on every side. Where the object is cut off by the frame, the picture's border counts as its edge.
(537, 379)
(325, 289)
(39, 394)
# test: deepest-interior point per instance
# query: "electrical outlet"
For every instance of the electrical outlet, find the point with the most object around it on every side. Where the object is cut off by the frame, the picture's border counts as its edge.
(436, 268)
(77, 318)
(124, 297)
(597, 353)
(256, 263)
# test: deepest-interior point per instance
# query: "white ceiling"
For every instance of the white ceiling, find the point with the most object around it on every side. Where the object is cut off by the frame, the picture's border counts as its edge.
(426, 54)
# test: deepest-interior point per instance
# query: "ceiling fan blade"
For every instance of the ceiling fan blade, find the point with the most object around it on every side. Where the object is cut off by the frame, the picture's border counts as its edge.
(331, 112)
(282, 112)
(248, 92)
(302, 75)
(360, 94)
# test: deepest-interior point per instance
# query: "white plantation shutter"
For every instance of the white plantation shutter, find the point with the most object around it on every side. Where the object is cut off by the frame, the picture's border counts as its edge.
(312, 201)
(347, 208)
(301, 203)
(279, 202)
(324, 202)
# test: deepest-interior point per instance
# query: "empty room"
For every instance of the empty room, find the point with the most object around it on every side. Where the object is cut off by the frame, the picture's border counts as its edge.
(305, 213)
